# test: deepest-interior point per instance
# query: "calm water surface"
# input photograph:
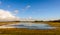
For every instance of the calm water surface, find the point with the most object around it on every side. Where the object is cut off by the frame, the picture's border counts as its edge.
(29, 26)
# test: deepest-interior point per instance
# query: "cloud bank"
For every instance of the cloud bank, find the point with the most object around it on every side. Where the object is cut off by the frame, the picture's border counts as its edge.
(6, 15)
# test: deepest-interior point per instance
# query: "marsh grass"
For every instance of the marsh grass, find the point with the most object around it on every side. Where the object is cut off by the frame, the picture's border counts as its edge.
(24, 31)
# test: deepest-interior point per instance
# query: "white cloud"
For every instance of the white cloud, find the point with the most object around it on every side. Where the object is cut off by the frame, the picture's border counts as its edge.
(26, 8)
(8, 6)
(16, 11)
(30, 17)
(6, 15)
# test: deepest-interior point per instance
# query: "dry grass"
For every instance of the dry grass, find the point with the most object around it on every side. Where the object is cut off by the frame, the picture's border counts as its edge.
(29, 32)
(5, 23)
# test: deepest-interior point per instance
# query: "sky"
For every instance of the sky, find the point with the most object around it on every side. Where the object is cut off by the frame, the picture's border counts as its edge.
(36, 9)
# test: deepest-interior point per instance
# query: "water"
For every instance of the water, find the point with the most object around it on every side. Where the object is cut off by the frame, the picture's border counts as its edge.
(29, 26)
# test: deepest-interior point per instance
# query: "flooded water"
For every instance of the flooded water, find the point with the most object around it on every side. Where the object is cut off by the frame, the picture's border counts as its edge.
(29, 26)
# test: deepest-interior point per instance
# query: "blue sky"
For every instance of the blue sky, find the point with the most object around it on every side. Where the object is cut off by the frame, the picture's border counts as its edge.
(41, 9)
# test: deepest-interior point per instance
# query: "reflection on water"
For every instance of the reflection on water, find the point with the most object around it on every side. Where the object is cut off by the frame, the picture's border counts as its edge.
(29, 26)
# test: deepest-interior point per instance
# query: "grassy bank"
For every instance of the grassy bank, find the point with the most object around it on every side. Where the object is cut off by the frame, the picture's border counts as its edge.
(5, 23)
(56, 24)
